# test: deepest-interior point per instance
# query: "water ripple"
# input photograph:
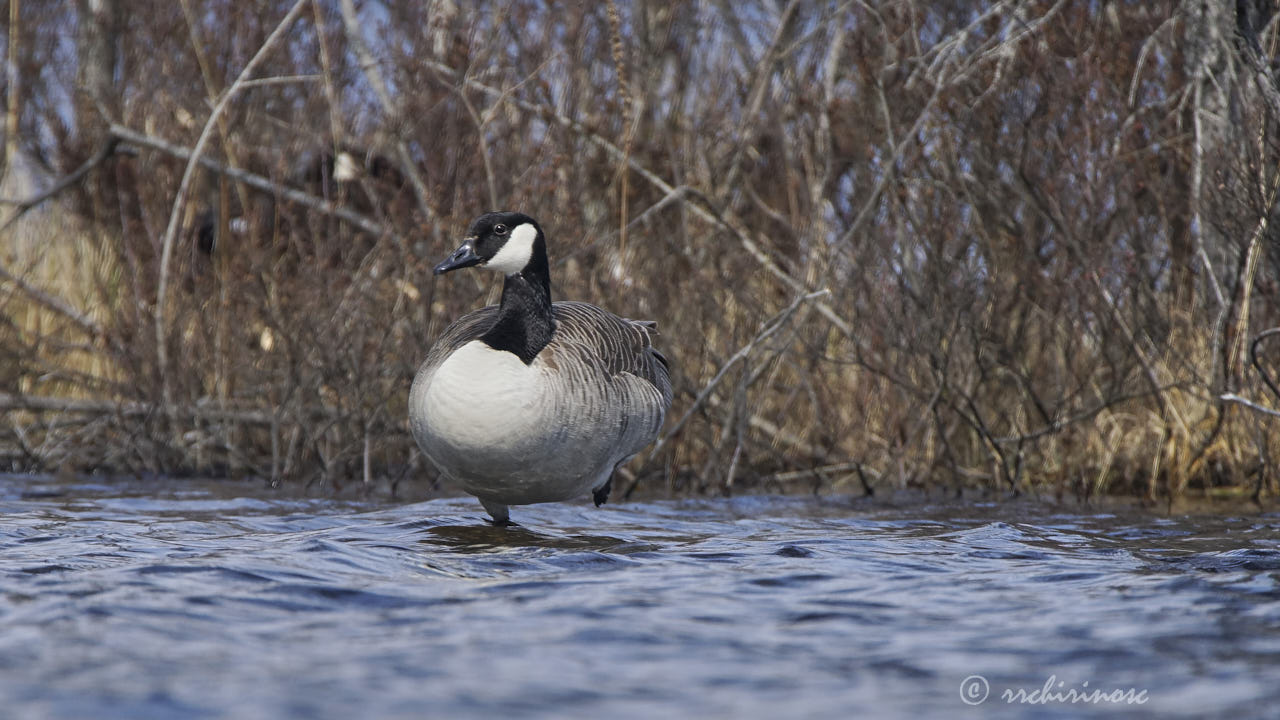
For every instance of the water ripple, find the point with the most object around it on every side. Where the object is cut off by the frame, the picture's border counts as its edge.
(134, 601)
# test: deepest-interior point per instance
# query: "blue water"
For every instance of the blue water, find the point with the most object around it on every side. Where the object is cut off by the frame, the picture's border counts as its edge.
(176, 599)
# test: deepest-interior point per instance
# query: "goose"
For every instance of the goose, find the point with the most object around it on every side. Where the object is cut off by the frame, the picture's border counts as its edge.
(531, 401)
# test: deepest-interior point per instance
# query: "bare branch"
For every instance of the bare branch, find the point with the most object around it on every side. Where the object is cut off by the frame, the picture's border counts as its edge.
(13, 83)
(53, 303)
(1233, 398)
(770, 327)
(355, 36)
(171, 232)
(763, 73)
(1253, 359)
(320, 205)
(22, 206)
(701, 209)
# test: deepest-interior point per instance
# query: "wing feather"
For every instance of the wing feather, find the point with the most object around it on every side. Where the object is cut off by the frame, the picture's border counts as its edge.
(465, 329)
(613, 345)
(593, 351)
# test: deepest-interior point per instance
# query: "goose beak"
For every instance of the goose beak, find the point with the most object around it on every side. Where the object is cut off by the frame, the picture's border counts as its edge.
(464, 256)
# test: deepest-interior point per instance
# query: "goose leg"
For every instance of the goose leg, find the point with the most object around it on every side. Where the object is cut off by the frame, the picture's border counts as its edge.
(499, 512)
(601, 494)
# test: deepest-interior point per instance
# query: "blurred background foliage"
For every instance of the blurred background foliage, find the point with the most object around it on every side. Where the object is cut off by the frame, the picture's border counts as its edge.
(1046, 232)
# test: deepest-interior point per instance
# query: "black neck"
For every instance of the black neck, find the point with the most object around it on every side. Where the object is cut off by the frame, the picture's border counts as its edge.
(525, 324)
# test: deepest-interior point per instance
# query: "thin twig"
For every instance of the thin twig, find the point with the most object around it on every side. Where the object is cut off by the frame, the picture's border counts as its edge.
(1059, 425)
(789, 475)
(1253, 358)
(490, 180)
(175, 213)
(211, 89)
(1234, 398)
(630, 119)
(769, 327)
(703, 209)
(355, 36)
(256, 181)
(13, 79)
(764, 72)
(40, 403)
(107, 150)
(52, 302)
(281, 80)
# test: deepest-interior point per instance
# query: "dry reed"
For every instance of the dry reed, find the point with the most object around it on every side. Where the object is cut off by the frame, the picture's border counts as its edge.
(1005, 246)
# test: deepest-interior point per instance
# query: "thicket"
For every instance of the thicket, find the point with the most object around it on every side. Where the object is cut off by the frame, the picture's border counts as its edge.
(1025, 245)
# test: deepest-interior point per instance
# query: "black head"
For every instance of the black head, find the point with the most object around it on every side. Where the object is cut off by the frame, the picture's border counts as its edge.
(504, 241)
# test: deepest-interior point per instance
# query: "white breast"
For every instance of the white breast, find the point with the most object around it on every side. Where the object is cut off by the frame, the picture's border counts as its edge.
(482, 400)
(515, 434)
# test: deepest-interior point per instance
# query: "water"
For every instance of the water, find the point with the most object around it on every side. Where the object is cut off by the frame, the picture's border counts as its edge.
(176, 600)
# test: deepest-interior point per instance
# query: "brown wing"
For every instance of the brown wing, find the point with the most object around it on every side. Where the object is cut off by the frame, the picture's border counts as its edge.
(614, 345)
(465, 329)
(597, 338)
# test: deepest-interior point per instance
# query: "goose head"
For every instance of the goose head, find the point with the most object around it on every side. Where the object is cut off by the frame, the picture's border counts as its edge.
(503, 241)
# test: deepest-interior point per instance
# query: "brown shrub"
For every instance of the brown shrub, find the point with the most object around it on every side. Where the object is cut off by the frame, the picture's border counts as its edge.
(1047, 229)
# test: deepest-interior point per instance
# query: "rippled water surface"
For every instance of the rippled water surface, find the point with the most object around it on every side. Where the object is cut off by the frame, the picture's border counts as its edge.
(175, 600)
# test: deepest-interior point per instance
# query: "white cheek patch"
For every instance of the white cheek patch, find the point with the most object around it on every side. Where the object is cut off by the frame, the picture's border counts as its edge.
(514, 255)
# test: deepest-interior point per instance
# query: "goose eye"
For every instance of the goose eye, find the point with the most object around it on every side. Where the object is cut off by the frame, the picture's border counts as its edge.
(500, 229)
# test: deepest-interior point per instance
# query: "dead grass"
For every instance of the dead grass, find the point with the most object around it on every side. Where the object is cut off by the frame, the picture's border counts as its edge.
(1028, 289)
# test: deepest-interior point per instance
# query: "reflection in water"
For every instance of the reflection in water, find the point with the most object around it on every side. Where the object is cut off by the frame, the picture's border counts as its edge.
(174, 601)
(482, 536)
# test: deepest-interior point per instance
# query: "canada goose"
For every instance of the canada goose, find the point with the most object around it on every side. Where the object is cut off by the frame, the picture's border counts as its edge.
(531, 401)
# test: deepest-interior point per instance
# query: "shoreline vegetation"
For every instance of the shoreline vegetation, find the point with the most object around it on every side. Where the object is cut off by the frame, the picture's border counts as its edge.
(984, 248)
(813, 498)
